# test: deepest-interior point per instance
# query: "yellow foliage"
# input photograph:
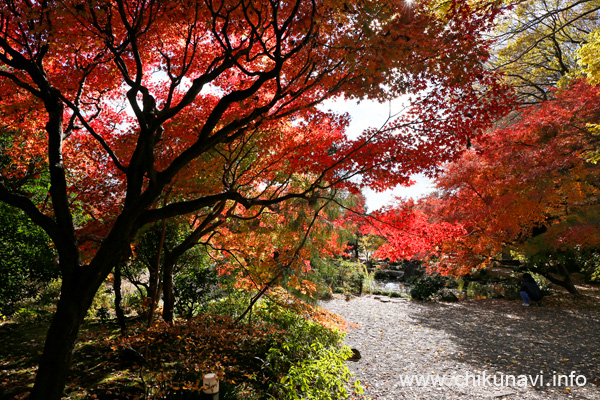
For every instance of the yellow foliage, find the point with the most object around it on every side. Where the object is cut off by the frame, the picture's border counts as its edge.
(593, 156)
(588, 57)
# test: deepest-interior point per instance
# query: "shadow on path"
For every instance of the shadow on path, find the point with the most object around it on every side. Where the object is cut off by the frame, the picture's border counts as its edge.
(505, 337)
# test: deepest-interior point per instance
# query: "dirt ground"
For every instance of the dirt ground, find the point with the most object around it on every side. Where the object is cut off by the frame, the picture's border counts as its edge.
(475, 349)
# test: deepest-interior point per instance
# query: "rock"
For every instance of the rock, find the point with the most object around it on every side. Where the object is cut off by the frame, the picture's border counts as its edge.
(448, 296)
(395, 274)
(413, 269)
(355, 355)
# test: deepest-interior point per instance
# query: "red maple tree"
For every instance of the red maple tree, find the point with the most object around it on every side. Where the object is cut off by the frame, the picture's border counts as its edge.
(527, 187)
(140, 111)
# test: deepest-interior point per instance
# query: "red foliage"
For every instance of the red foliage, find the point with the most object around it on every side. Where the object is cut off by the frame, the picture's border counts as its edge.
(142, 111)
(524, 179)
(409, 232)
(516, 182)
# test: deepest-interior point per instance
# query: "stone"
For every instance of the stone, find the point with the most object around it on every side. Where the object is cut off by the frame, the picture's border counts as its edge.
(388, 274)
(448, 296)
(355, 355)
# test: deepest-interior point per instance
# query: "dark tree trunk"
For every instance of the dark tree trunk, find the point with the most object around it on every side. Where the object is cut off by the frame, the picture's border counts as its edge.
(168, 294)
(79, 285)
(118, 298)
(566, 282)
(154, 294)
(60, 341)
(153, 288)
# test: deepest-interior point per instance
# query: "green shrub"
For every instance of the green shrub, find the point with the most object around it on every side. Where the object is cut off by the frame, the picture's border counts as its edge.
(473, 289)
(308, 361)
(194, 288)
(343, 276)
(34, 309)
(283, 354)
(104, 301)
(426, 286)
(511, 291)
(27, 260)
(320, 376)
(233, 303)
(135, 302)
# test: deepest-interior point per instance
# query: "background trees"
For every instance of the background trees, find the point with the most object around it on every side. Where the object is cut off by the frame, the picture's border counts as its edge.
(27, 260)
(528, 183)
(538, 43)
(529, 186)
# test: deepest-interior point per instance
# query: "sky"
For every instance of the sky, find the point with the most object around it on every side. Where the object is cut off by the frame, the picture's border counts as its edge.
(370, 114)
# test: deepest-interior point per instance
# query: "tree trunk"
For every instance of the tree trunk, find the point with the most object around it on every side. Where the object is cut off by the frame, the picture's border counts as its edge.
(118, 298)
(168, 295)
(79, 285)
(172, 257)
(154, 294)
(60, 341)
(566, 282)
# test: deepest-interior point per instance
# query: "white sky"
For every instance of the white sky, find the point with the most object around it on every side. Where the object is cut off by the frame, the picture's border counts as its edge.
(370, 114)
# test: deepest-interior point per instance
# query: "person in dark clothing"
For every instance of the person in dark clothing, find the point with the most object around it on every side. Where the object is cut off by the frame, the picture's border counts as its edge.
(530, 291)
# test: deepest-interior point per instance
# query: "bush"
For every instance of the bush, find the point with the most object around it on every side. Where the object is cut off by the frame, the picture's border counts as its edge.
(232, 304)
(308, 361)
(104, 301)
(342, 276)
(321, 376)
(350, 277)
(511, 291)
(26, 260)
(34, 309)
(194, 288)
(284, 354)
(474, 289)
(426, 286)
(135, 302)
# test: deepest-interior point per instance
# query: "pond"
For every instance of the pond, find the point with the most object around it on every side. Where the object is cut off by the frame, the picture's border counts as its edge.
(466, 290)
(390, 286)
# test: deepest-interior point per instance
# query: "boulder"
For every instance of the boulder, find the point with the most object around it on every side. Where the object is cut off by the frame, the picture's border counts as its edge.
(355, 355)
(448, 296)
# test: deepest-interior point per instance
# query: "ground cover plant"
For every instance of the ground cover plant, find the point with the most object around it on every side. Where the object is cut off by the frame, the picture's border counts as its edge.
(282, 352)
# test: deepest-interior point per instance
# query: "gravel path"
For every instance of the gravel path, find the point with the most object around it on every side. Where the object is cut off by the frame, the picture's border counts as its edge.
(468, 343)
